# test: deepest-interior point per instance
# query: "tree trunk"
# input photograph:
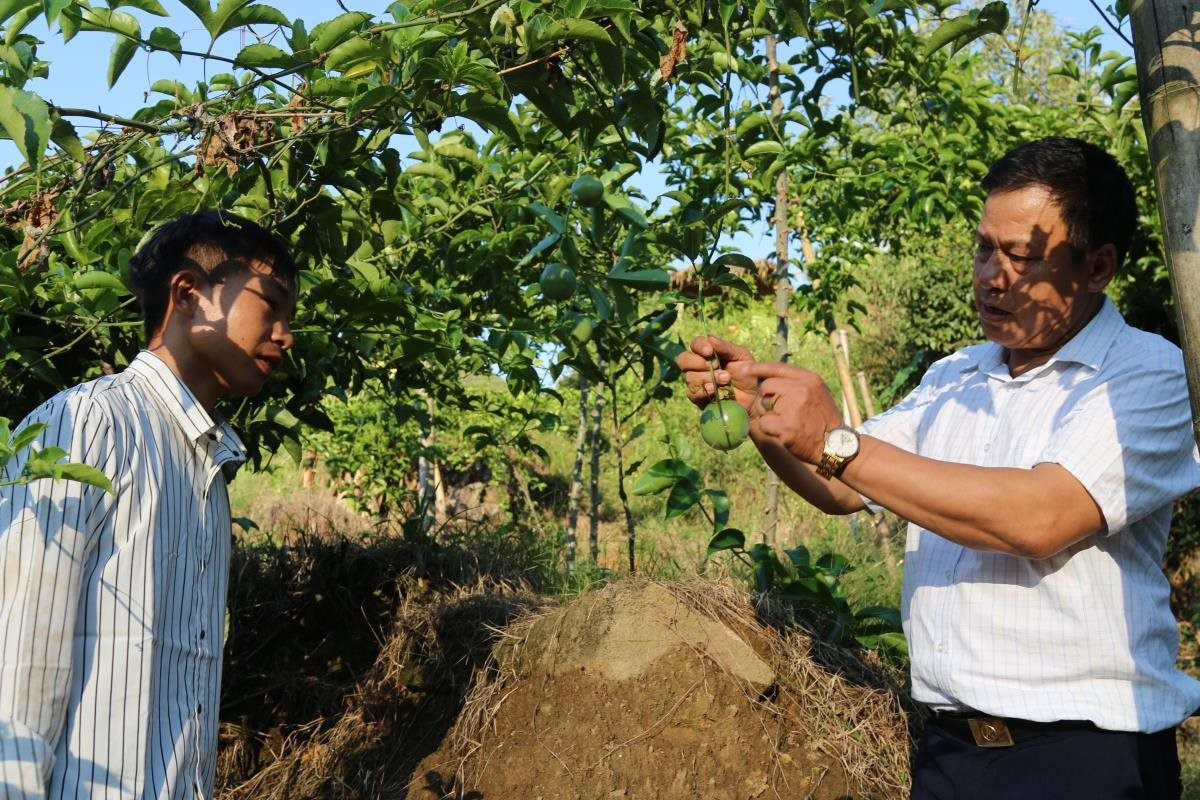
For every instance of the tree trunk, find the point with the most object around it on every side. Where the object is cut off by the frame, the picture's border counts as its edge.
(1165, 36)
(596, 442)
(576, 491)
(619, 447)
(425, 490)
(308, 469)
(782, 287)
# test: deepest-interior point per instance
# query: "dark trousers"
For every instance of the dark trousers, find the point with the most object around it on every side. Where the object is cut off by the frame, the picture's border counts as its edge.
(1054, 765)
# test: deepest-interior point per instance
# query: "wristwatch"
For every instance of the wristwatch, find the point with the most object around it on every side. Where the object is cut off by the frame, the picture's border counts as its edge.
(841, 445)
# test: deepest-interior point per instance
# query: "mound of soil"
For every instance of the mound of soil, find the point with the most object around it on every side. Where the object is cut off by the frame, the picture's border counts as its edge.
(647, 690)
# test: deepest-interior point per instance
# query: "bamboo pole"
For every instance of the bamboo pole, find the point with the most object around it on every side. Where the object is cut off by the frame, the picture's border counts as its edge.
(868, 402)
(841, 361)
(1165, 36)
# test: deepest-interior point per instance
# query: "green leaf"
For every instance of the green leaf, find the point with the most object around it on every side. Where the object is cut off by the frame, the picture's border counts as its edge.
(349, 53)
(573, 30)
(891, 640)
(26, 436)
(765, 147)
(622, 206)
(728, 539)
(430, 170)
(105, 19)
(166, 40)
(961, 31)
(52, 8)
(642, 278)
(83, 474)
(245, 523)
(480, 77)
(263, 55)
(149, 6)
(328, 34)
(172, 89)
(201, 9)
(257, 14)
(556, 222)
(25, 117)
(721, 505)
(99, 279)
(63, 134)
(665, 473)
(886, 614)
(10, 7)
(736, 260)
(122, 52)
(545, 244)
(682, 497)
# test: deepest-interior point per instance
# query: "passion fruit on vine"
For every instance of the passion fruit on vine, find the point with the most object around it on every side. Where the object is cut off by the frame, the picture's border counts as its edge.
(587, 190)
(724, 425)
(557, 281)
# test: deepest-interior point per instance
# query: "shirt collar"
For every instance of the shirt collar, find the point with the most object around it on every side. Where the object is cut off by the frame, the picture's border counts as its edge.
(200, 427)
(1087, 348)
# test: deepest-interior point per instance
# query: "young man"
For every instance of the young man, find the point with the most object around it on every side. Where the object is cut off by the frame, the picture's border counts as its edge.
(112, 605)
(1037, 472)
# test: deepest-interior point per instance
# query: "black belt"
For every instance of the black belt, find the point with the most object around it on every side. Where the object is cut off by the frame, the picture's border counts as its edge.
(987, 731)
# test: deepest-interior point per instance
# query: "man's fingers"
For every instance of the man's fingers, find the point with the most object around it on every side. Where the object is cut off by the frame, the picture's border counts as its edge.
(763, 370)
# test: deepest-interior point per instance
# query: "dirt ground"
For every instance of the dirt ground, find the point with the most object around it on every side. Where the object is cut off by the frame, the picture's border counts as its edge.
(642, 690)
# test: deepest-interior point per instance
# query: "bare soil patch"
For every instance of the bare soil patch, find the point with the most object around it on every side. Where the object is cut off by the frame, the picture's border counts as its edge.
(647, 690)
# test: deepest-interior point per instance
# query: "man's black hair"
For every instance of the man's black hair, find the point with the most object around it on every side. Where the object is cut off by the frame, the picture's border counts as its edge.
(215, 243)
(1093, 191)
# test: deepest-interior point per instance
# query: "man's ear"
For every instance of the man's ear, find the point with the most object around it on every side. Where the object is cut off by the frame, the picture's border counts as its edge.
(183, 292)
(1102, 266)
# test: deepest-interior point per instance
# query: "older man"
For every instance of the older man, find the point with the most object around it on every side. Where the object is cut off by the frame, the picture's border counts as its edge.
(1037, 472)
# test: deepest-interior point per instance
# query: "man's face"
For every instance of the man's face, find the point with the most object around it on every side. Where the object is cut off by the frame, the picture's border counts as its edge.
(1033, 290)
(241, 330)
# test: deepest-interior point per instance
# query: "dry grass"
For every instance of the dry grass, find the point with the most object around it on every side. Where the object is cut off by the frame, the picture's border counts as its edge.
(841, 700)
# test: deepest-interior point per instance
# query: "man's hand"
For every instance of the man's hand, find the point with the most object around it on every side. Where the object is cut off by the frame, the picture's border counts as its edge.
(698, 377)
(796, 408)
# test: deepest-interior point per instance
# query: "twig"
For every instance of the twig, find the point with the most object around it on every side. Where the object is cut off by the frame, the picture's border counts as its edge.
(1110, 23)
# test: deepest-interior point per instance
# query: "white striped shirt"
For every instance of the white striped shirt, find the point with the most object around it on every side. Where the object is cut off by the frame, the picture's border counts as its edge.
(112, 605)
(1087, 633)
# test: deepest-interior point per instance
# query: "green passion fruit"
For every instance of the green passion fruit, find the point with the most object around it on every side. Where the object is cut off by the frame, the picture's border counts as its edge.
(557, 281)
(724, 425)
(587, 190)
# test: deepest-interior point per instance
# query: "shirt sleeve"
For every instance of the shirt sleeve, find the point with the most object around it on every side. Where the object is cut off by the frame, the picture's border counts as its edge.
(48, 529)
(898, 425)
(1129, 442)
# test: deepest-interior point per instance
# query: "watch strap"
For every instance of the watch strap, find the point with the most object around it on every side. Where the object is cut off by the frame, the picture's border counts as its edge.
(830, 465)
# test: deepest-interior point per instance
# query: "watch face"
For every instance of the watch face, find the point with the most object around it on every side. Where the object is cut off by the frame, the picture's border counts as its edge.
(842, 442)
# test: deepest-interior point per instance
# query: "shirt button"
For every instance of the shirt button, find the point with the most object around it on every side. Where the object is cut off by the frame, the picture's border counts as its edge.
(202, 632)
(941, 648)
(199, 708)
(949, 574)
(212, 437)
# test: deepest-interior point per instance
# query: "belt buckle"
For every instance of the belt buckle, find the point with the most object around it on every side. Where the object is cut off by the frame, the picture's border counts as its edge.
(990, 732)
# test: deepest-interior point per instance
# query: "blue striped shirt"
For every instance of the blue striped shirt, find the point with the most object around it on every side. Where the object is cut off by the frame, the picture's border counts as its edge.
(112, 605)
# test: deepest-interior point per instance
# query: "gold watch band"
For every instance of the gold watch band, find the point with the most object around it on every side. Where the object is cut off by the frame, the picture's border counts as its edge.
(830, 465)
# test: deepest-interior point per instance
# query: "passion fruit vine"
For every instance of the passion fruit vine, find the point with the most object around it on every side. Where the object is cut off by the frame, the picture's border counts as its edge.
(587, 191)
(557, 282)
(724, 425)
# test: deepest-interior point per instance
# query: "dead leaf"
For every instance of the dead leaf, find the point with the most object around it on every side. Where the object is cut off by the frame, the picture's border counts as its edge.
(677, 53)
